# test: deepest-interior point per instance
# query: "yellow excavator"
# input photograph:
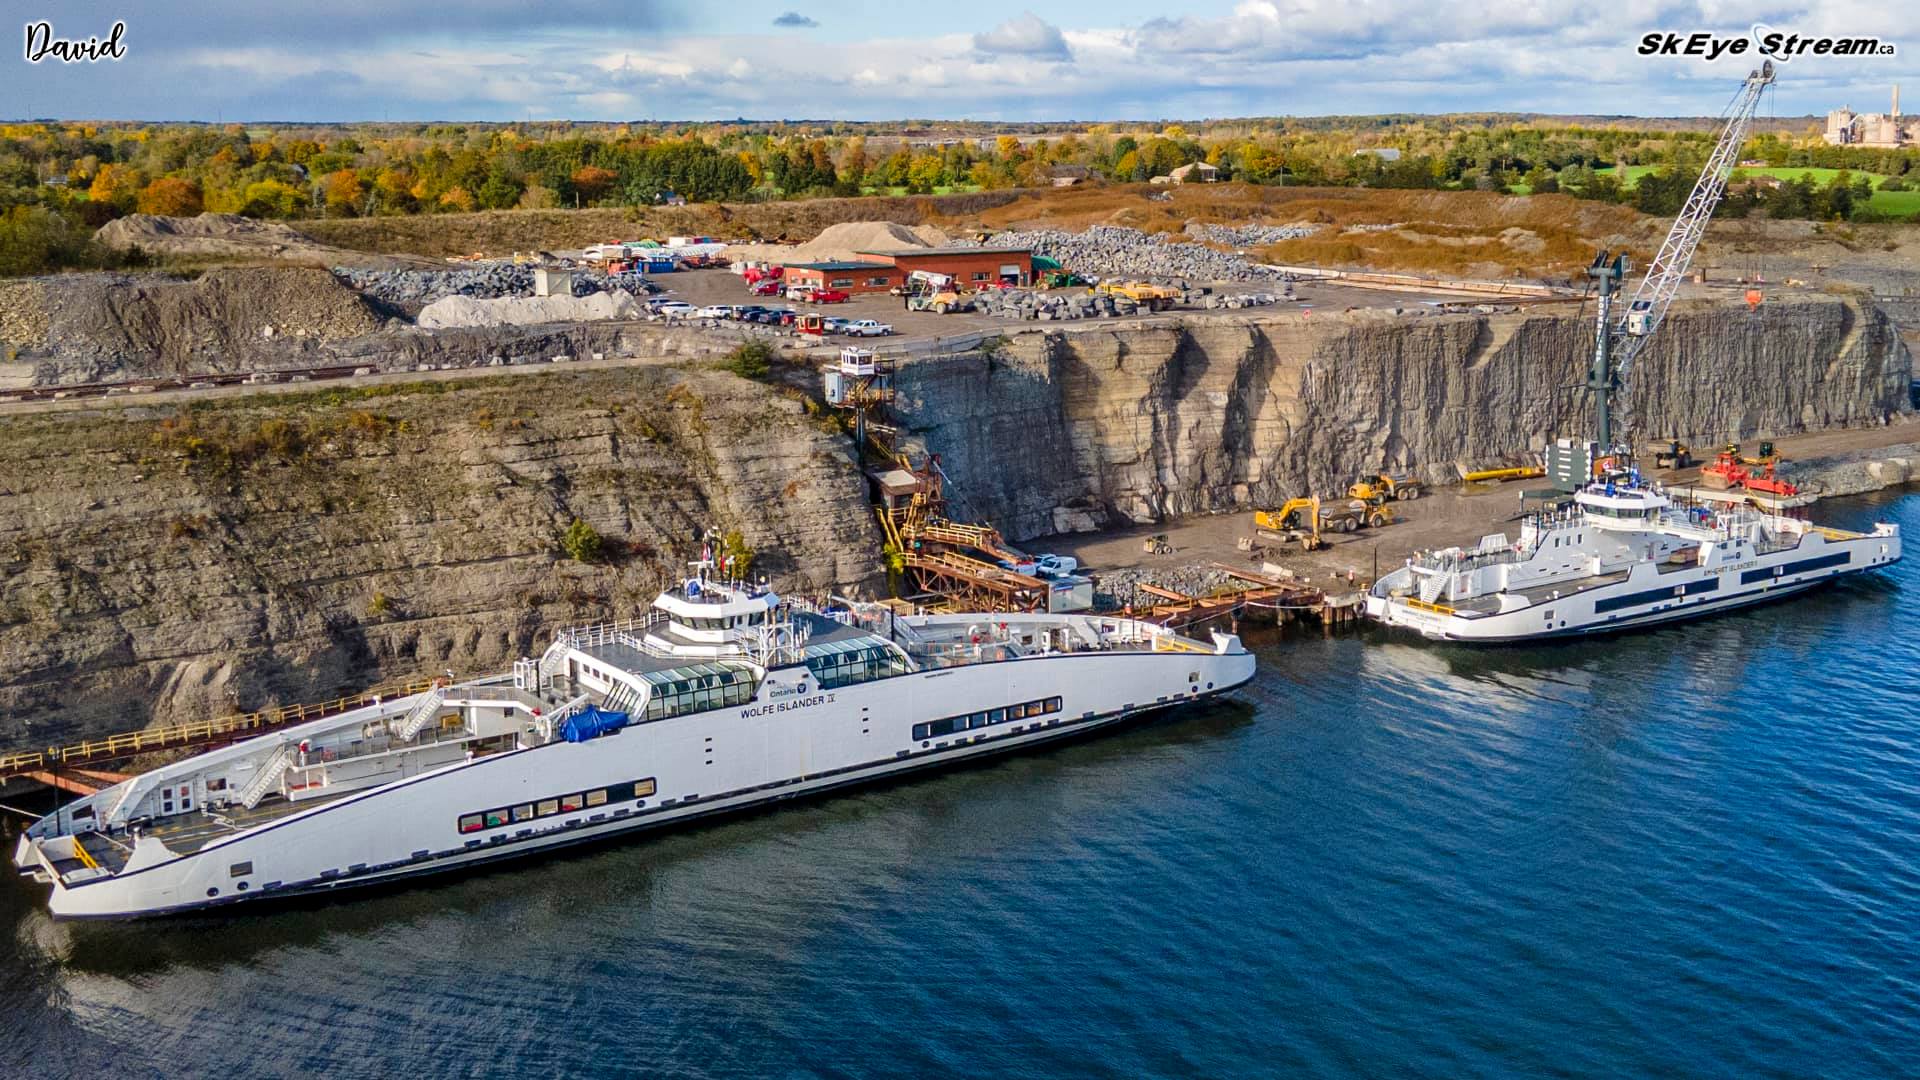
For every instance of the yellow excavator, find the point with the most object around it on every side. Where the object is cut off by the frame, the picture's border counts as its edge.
(1381, 487)
(1306, 519)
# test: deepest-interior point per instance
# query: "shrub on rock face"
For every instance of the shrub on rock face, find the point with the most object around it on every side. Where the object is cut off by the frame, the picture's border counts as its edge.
(751, 360)
(582, 542)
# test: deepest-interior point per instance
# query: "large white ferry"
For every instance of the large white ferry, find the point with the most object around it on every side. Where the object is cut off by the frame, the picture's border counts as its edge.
(723, 697)
(1619, 554)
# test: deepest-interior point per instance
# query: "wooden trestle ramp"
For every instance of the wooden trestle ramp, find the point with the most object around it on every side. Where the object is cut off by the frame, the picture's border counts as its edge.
(1263, 598)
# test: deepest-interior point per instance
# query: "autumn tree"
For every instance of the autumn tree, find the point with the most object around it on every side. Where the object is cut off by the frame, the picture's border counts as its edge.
(271, 199)
(342, 191)
(171, 196)
(117, 185)
(591, 182)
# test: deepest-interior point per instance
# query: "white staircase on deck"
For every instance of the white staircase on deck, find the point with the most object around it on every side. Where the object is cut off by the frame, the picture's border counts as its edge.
(621, 698)
(266, 778)
(421, 712)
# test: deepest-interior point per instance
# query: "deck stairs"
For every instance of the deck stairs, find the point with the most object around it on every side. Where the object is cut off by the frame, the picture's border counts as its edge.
(422, 711)
(622, 698)
(267, 778)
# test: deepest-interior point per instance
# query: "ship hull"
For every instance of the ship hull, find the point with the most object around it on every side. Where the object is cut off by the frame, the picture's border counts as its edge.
(1647, 597)
(682, 770)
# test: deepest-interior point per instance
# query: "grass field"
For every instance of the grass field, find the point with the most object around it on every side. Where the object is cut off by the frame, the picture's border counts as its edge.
(1894, 203)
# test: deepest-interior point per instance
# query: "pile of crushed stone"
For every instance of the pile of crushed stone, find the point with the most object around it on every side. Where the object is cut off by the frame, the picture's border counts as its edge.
(464, 311)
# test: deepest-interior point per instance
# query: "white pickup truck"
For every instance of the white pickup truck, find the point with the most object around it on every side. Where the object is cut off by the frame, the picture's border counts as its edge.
(867, 328)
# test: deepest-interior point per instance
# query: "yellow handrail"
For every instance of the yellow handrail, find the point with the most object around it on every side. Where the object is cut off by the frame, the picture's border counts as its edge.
(1416, 602)
(128, 743)
(80, 851)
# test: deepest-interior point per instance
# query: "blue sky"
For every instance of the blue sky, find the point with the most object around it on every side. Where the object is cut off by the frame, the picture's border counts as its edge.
(1064, 60)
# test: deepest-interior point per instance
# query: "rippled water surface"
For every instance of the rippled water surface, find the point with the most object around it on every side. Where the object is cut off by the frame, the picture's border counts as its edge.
(1691, 851)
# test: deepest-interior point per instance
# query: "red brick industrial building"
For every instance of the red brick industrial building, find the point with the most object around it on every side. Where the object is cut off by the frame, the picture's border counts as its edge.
(848, 277)
(971, 267)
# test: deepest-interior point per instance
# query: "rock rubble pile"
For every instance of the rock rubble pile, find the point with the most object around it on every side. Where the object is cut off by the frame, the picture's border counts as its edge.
(490, 281)
(1111, 251)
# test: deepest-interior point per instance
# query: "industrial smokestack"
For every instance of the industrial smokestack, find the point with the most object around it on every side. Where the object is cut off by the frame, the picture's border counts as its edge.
(1896, 101)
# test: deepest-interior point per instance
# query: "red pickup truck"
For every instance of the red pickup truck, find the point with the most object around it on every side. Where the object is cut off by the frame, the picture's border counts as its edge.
(828, 296)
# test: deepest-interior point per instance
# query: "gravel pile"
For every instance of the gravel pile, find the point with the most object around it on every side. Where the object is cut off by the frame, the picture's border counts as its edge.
(1114, 251)
(486, 282)
(1247, 236)
(1118, 588)
(456, 311)
(1049, 307)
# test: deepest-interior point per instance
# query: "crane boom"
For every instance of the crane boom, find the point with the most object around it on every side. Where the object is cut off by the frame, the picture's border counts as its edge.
(1655, 293)
(1618, 340)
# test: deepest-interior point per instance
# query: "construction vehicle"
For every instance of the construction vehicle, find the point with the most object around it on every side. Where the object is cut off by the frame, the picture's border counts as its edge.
(1672, 454)
(1381, 487)
(1146, 294)
(1757, 475)
(1063, 279)
(938, 293)
(1305, 519)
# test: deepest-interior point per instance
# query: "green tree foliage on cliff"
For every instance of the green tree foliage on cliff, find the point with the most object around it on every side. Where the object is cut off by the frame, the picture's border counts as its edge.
(750, 360)
(737, 555)
(582, 542)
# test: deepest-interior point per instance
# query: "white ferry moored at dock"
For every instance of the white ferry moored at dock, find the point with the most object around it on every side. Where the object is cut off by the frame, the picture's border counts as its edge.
(1619, 555)
(723, 697)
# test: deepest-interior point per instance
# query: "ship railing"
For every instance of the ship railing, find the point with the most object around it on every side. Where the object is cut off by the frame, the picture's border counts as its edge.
(226, 728)
(607, 633)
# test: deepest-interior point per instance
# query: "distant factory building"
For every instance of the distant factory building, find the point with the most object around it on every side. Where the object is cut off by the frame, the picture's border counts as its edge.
(1883, 131)
(1384, 153)
(848, 277)
(966, 265)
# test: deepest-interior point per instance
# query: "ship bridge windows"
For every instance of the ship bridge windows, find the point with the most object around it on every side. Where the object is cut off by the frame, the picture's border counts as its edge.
(722, 622)
(843, 663)
(696, 688)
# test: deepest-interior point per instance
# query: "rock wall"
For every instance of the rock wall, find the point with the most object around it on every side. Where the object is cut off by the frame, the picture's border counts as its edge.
(161, 564)
(1064, 430)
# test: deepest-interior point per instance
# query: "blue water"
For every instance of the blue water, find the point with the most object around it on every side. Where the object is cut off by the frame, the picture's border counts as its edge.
(1694, 851)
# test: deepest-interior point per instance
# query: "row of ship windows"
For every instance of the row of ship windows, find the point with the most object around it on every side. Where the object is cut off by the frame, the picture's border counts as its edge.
(703, 692)
(857, 666)
(986, 718)
(559, 804)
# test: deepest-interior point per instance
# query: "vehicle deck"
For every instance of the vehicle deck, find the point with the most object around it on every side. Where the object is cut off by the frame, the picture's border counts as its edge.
(1490, 604)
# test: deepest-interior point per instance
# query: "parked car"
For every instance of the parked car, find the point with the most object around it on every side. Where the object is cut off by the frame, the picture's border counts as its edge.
(868, 328)
(1046, 566)
(829, 296)
(834, 324)
(675, 309)
(713, 311)
(766, 288)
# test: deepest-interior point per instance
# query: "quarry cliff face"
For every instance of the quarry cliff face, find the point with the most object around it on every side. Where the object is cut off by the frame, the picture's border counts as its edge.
(164, 564)
(1065, 430)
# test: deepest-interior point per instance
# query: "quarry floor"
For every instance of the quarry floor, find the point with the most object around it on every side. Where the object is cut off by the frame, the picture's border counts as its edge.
(1439, 518)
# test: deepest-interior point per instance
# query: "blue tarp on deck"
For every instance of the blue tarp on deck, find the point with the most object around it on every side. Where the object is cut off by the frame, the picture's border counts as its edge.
(591, 722)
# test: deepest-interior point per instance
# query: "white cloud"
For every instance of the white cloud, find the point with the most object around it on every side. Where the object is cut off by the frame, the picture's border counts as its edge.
(1266, 57)
(1024, 35)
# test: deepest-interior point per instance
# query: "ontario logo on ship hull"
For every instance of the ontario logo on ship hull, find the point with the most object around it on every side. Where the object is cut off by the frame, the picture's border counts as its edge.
(1763, 41)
